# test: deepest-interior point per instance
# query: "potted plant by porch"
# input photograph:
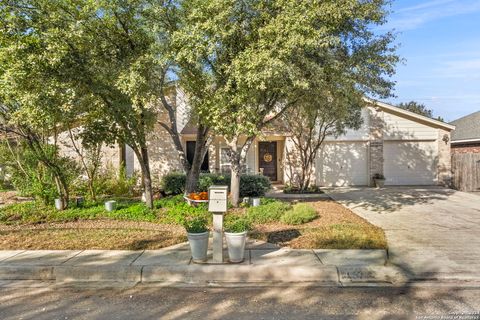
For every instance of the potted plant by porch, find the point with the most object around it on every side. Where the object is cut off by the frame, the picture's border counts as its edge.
(379, 180)
(236, 229)
(197, 233)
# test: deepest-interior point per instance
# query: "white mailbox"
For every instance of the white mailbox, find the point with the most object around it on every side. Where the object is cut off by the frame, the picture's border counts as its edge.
(217, 199)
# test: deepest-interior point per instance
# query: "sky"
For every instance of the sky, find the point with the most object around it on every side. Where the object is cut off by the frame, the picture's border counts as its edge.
(439, 41)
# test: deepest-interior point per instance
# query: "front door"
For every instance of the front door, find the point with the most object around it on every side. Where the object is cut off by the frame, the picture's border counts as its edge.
(268, 159)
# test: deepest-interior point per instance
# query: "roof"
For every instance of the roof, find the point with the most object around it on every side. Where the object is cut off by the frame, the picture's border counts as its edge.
(430, 121)
(467, 128)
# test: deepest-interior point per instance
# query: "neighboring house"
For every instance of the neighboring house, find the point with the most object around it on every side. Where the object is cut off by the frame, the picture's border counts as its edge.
(407, 148)
(466, 153)
(466, 136)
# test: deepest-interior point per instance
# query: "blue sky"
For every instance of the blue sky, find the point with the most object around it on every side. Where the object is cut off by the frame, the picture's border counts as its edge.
(440, 42)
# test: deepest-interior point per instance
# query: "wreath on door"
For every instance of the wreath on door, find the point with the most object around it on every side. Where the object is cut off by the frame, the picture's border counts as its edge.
(268, 157)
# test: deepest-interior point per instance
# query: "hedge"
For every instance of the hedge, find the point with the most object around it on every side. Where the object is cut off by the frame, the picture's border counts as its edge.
(250, 185)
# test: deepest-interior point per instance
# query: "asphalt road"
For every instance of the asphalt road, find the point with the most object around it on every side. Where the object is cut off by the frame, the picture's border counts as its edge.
(240, 303)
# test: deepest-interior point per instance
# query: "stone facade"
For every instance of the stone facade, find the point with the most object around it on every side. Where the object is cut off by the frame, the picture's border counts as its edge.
(444, 166)
(376, 143)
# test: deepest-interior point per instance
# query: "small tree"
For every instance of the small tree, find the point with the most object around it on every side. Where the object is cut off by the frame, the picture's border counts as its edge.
(308, 126)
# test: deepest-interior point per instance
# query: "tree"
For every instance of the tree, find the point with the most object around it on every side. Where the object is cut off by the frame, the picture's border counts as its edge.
(257, 59)
(418, 108)
(309, 126)
(100, 50)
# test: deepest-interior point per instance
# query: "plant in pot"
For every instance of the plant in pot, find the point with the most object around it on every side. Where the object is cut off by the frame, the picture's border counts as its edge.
(236, 229)
(379, 180)
(197, 233)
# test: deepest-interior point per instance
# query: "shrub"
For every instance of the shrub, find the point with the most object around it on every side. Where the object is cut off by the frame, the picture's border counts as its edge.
(299, 214)
(236, 224)
(173, 183)
(250, 185)
(196, 224)
(31, 177)
(292, 189)
(254, 185)
(209, 179)
(269, 212)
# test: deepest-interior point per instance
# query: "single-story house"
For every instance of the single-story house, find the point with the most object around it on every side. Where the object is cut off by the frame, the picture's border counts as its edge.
(466, 153)
(409, 149)
(466, 136)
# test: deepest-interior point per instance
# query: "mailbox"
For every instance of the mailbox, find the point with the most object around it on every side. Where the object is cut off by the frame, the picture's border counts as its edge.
(217, 198)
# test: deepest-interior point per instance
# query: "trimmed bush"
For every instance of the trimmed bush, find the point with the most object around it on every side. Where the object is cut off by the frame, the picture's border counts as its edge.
(270, 212)
(299, 214)
(254, 185)
(173, 183)
(250, 185)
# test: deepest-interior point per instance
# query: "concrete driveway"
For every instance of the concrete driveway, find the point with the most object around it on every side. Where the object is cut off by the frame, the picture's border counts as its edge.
(432, 233)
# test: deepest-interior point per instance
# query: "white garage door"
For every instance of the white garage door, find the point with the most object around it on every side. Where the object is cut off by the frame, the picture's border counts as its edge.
(342, 164)
(410, 163)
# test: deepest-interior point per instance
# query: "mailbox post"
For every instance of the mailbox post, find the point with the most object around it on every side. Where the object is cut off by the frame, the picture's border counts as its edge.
(217, 204)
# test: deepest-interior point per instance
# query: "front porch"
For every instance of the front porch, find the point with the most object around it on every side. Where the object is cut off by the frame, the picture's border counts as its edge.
(266, 156)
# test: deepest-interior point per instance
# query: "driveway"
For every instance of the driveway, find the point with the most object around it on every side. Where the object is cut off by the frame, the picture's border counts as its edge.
(432, 232)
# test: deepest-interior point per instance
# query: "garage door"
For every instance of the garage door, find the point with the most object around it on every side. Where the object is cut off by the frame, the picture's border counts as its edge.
(342, 164)
(410, 163)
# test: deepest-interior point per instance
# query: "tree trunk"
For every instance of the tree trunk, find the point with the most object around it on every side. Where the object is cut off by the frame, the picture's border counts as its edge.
(235, 183)
(237, 159)
(142, 156)
(193, 175)
(147, 178)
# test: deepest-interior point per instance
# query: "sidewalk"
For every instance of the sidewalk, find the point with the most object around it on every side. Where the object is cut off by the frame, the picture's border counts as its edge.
(264, 264)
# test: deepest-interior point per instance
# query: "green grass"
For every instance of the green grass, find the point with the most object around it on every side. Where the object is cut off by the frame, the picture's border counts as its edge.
(272, 211)
(300, 213)
(167, 210)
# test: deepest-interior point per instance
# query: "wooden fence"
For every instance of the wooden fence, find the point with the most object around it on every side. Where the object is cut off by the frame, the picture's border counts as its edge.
(466, 171)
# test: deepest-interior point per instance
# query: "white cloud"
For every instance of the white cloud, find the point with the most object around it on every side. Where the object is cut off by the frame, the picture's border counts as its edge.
(415, 16)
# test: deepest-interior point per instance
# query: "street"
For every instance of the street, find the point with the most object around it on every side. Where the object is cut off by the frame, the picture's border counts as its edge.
(293, 302)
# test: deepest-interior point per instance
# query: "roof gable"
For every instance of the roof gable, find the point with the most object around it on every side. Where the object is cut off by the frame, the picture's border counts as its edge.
(467, 128)
(411, 115)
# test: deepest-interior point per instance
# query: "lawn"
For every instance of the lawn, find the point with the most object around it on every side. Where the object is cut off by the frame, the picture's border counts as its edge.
(316, 224)
(335, 227)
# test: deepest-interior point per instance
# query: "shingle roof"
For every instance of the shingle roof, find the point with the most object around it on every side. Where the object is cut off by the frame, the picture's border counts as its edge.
(467, 127)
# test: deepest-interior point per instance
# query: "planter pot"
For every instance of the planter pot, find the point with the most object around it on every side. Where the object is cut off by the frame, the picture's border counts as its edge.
(255, 202)
(110, 205)
(236, 246)
(379, 183)
(198, 245)
(59, 204)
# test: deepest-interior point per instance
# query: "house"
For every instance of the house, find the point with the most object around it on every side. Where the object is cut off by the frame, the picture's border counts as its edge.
(466, 153)
(466, 136)
(409, 149)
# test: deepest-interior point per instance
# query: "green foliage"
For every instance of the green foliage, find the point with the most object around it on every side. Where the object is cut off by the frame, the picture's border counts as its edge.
(30, 176)
(418, 108)
(254, 185)
(250, 185)
(196, 224)
(177, 210)
(294, 189)
(209, 179)
(173, 183)
(270, 212)
(33, 212)
(236, 224)
(299, 214)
